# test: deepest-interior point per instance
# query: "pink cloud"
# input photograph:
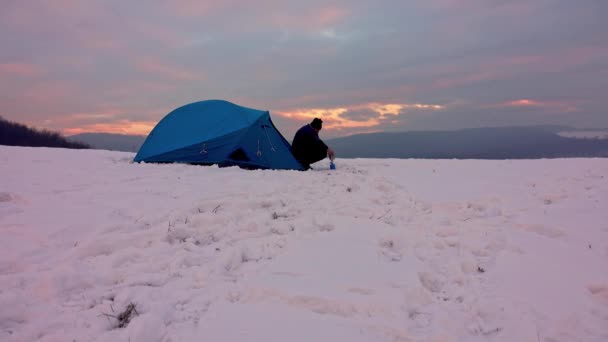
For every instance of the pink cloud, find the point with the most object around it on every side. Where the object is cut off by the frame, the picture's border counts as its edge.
(20, 69)
(167, 37)
(62, 106)
(511, 66)
(556, 61)
(166, 71)
(102, 30)
(261, 14)
(105, 120)
(560, 106)
(455, 81)
(49, 93)
(442, 76)
(550, 61)
(132, 87)
(310, 19)
(512, 7)
(197, 8)
(336, 120)
(523, 103)
(117, 127)
(318, 97)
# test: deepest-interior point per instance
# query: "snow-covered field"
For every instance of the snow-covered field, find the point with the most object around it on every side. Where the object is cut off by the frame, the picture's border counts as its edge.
(377, 250)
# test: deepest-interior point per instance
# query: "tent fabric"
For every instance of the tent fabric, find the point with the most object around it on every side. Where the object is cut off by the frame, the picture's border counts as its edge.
(218, 132)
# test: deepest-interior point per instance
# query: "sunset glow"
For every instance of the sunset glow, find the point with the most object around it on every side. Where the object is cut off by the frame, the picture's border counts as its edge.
(118, 127)
(335, 118)
(555, 105)
(19, 69)
(524, 103)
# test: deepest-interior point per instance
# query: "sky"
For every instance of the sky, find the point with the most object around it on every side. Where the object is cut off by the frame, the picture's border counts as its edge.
(363, 66)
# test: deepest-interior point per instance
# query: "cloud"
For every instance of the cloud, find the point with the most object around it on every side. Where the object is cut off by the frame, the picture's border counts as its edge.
(348, 61)
(373, 113)
(49, 93)
(523, 103)
(20, 70)
(263, 15)
(308, 19)
(560, 106)
(111, 120)
(357, 118)
(511, 7)
(116, 127)
(154, 66)
(359, 114)
(331, 34)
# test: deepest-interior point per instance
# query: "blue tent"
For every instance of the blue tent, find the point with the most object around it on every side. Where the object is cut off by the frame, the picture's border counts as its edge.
(218, 132)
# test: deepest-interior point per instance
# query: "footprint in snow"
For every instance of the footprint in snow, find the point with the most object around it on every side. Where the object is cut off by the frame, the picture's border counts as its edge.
(391, 249)
(6, 197)
(431, 282)
(323, 227)
(599, 292)
(540, 229)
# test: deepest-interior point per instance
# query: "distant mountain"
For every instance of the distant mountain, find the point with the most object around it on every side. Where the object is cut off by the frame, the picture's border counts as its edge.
(475, 143)
(16, 134)
(108, 141)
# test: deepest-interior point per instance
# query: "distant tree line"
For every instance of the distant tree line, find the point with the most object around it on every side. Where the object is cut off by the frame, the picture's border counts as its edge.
(16, 134)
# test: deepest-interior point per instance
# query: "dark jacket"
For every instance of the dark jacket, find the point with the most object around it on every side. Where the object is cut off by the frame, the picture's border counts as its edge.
(307, 147)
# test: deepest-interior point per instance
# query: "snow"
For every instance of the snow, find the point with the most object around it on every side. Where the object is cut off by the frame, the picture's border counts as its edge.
(584, 134)
(377, 250)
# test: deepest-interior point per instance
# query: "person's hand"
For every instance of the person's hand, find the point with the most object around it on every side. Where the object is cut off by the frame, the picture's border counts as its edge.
(330, 154)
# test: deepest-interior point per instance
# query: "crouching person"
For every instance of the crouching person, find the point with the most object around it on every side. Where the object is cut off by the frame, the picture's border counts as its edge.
(307, 147)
